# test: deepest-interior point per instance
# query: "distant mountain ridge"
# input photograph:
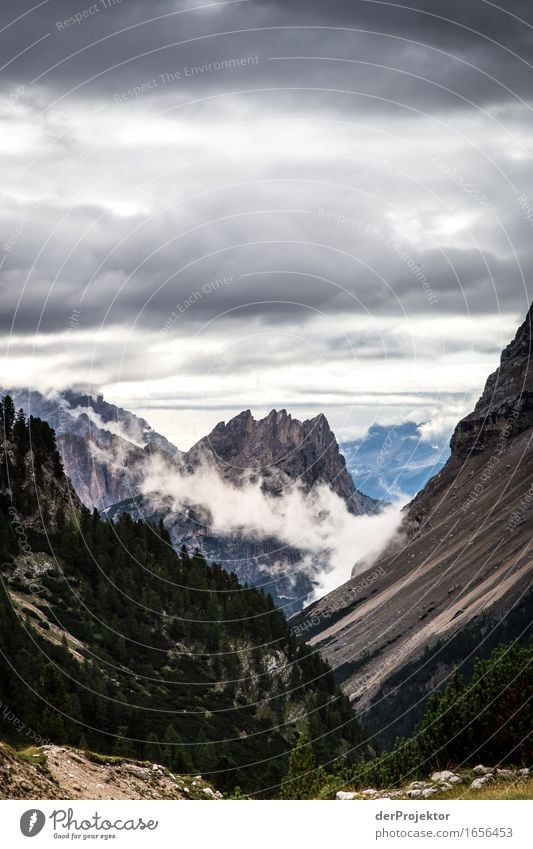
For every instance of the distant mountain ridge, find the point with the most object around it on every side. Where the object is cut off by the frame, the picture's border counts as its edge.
(393, 460)
(280, 454)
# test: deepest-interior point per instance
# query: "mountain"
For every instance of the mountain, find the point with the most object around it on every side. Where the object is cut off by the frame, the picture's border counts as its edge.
(108, 452)
(102, 446)
(459, 571)
(279, 457)
(279, 450)
(394, 459)
(111, 641)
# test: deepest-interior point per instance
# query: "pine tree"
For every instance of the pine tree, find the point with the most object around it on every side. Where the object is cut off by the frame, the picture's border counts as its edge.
(152, 748)
(123, 747)
(304, 779)
(53, 707)
(8, 416)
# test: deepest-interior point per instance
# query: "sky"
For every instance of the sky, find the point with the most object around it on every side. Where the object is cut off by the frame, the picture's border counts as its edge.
(209, 207)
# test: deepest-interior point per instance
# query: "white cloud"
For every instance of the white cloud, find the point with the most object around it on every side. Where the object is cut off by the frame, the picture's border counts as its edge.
(318, 523)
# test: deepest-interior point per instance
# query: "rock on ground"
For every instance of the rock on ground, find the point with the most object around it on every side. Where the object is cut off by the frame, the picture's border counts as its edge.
(478, 783)
(446, 775)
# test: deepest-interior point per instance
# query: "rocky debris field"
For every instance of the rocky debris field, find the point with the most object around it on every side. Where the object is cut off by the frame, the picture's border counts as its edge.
(55, 772)
(441, 782)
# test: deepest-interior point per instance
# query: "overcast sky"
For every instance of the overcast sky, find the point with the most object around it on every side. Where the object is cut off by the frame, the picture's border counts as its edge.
(214, 206)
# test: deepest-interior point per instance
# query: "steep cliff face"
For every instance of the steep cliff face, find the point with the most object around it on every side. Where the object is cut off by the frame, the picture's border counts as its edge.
(279, 449)
(506, 405)
(463, 558)
(101, 470)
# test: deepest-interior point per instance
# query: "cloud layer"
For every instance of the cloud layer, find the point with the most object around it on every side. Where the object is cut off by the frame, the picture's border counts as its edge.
(349, 168)
(332, 540)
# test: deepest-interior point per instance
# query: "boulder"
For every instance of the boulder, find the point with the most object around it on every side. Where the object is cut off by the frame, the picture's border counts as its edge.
(345, 796)
(446, 775)
(414, 794)
(429, 791)
(478, 783)
(523, 772)
(506, 774)
(482, 770)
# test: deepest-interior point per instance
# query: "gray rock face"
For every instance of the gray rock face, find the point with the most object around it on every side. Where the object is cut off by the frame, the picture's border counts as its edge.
(465, 548)
(506, 405)
(102, 446)
(279, 449)
(101, 470)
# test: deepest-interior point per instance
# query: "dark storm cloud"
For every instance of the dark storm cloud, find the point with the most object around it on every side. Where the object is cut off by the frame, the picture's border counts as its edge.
(127, 44)
(481, 54)
(139, 273)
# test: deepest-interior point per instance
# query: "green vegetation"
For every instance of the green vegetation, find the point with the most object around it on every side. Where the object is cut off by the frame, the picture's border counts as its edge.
(486, 720)
(176, 660)
(401, 702)
(304, 779)
(511, 790)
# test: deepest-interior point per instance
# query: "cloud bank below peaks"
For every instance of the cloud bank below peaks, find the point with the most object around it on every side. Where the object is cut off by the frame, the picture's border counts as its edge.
(316, 523)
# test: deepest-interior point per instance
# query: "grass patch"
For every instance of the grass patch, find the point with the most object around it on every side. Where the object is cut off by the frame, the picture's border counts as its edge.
(499, 790)
(32, 755)
(111, 760)
(104, 760)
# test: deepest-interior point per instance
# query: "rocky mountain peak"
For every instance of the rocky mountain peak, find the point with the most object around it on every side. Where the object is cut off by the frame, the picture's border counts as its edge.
(506, 404)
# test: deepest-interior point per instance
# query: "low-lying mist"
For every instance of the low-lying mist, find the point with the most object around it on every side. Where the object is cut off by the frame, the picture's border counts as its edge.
(317, 523)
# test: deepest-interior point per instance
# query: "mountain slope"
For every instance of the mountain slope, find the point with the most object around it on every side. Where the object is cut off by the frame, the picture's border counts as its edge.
(464, 557)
